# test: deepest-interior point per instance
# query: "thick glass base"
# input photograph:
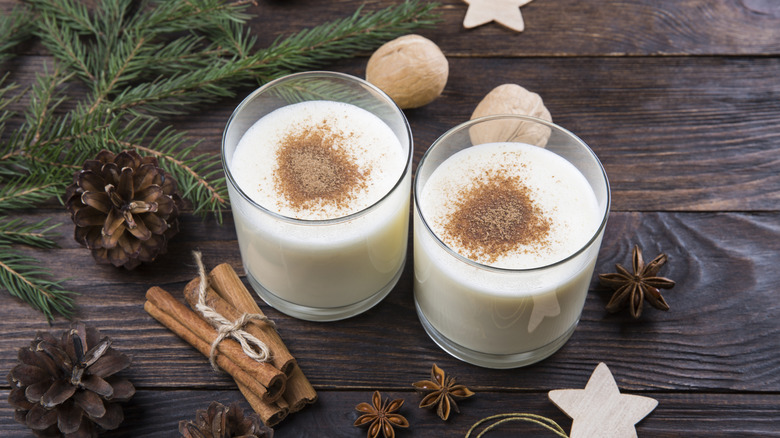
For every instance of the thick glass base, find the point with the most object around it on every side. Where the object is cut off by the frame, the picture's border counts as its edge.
(322, 314)
(488, 360)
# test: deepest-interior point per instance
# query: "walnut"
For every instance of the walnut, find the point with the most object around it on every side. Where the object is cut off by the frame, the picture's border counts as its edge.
(511, 99)
(411, 69)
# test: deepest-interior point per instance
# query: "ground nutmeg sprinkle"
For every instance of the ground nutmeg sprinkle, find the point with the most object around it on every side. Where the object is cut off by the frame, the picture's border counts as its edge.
(495, 216)
(315, 170)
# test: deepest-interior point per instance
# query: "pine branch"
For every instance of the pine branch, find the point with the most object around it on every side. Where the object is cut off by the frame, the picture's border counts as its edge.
(30, 190)
(232, 36)
(45, 96)
(73, 12)
(199, 176)
(18, 231)
(142, 60)
(65, 46)
(15, 28)
(24, 279)
(6, 101)
(181, 16)
(310, 49)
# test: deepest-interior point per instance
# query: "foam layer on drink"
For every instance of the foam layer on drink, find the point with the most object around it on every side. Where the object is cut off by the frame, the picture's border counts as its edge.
(318, 160)
(510, 205)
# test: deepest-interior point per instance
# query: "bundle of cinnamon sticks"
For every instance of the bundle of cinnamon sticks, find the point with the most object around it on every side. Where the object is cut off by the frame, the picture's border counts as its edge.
(275, 388)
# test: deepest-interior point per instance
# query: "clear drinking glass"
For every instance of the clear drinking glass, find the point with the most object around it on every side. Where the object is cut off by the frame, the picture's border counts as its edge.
(495, 317)
(330, 269)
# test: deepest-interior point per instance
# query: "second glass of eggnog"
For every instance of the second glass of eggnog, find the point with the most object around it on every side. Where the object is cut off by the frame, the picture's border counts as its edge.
(508, 220)
(318, 167)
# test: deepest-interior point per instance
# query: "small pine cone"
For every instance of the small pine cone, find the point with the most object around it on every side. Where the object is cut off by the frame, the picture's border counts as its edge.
(66, 386)
(219, 421)
(125, 208)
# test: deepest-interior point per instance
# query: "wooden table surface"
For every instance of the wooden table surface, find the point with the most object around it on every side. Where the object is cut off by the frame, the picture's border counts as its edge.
(680, 99)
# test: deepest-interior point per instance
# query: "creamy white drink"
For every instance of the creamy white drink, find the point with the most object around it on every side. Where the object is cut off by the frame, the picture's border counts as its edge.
(499, 218)
(333, 183)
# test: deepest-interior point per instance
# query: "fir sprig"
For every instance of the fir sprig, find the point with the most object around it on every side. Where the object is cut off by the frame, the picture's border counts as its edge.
(310, 48)
(7, 98)
(140, 62)
(200, 176)
(18, 231)
(24, 278)
(15, 28)
(28, 190)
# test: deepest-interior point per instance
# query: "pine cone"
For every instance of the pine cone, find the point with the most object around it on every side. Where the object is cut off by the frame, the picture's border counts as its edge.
(125, 208)
(66, 387)
(220, 421)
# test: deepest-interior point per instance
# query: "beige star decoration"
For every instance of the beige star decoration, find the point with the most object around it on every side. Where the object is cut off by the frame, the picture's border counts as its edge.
(600, 410)
(504, 12)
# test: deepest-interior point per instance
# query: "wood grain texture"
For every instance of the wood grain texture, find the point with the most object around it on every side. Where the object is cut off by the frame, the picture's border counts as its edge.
(723, 264)
(560, 28)
(156, 414)
(674, 134)
(572, 27)
(600, 409)
(680, 99)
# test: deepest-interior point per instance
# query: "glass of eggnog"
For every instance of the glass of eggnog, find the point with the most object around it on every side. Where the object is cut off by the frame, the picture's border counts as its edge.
(318, 166)
(508, 220)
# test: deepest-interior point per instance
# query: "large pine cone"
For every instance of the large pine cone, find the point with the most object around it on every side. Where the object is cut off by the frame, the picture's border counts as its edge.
(219, 421)
(125, 208)
(66, 387)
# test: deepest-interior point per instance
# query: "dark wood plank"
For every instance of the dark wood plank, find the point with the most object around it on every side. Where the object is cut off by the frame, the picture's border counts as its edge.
(561, 27)
(674, 134)
(572, 27)
(156, 414)
(689, 142)
(721, 333)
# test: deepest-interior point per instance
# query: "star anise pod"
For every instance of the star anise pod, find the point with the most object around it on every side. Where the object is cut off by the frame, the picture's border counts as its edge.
(632, 289)
(381, 417)
(442, 392)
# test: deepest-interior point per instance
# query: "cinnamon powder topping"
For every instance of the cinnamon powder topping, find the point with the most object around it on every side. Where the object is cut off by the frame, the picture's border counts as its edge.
(496, 216)
(314, 169)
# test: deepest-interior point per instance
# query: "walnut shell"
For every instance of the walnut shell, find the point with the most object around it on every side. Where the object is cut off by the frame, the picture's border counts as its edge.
(511, 99)
(411, 69)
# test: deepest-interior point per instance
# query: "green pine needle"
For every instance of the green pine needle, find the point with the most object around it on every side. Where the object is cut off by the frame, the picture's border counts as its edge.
(22, 276)
(312, 48)
(18, 231)
(140, 62)
(15, 28)
(29, 190)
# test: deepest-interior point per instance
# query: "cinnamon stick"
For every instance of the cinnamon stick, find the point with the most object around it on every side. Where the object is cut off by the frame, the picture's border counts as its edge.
(226, 283)
(273, 380)
(280, 357)
(229, 286)
(299, 392)
(226, 364)
(271, 413)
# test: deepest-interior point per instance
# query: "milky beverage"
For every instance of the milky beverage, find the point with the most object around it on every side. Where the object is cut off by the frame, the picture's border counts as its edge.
(314, 165)
(514, 207)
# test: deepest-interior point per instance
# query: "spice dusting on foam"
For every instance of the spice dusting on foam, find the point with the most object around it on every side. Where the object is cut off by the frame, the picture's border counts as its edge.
(510, 205)
(315, 168)
(318, 160)
(496, 216)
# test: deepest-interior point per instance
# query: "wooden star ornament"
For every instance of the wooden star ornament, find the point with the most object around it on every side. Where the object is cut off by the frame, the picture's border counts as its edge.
(600, 410)
(504, 12)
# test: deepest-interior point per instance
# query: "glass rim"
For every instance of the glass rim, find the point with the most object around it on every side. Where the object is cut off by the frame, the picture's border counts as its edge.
(472, 122)
(326, 74)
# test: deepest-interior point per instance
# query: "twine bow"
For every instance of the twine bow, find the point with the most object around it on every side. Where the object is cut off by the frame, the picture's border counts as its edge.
(252, 347)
